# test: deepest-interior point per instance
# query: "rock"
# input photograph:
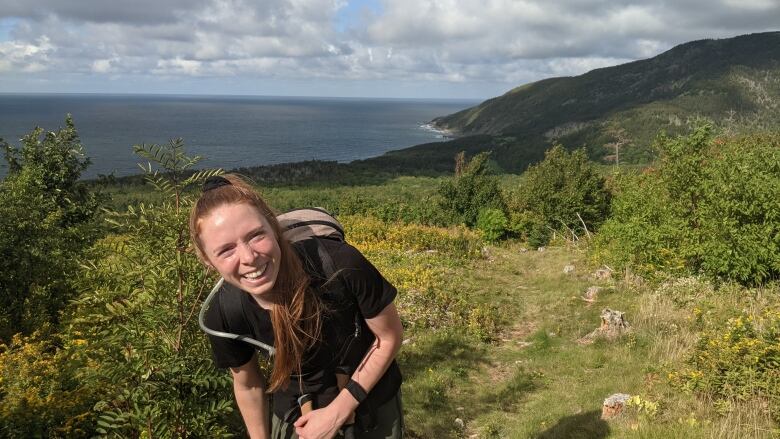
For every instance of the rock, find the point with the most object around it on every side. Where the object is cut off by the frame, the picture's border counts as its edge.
(591, 294)
(603, 274)
(568, 269)
(613, 324)
(614, 405)
(406, 341)
(613, 321)
(523, 250)
(540, 249)
(486, 253)
(460, 409)
(459, 422)
(633, 279)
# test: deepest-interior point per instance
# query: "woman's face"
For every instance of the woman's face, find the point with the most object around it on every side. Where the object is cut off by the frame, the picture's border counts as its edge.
(241, 245)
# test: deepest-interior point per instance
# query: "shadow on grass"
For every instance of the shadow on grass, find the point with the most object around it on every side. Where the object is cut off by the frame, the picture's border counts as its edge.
(442, 350)
(582, 426)
(510, 392)
(431, 367)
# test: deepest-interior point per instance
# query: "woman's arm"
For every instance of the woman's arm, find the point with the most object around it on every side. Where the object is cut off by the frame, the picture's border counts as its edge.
(324, 423)
(249, 388)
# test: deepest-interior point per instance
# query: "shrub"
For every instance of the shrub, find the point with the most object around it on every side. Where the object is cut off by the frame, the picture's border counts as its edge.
(46, 221)
(472, 189)
(737, 359)
(531, 226)
(40, 395)
(492, 223)
(709, 207)
(739, 227)
(560, 193)
(642, 232)
(142, 289)
(418, 260)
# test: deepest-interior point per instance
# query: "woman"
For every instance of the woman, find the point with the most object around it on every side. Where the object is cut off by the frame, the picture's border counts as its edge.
(299, 311)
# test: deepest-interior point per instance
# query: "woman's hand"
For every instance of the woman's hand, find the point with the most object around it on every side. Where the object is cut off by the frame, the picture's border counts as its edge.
(318, 424)
(325, 423)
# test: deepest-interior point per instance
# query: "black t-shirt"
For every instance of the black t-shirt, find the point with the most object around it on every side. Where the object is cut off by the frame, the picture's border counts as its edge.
(358, 287)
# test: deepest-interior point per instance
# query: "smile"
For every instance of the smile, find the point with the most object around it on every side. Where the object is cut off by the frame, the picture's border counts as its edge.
(258, 273)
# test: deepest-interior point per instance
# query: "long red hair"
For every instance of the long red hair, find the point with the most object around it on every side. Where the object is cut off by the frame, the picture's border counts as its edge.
(297, 310)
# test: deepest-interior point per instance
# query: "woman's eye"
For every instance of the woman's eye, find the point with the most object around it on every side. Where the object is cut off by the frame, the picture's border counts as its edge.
(257, 236)
(225, 253)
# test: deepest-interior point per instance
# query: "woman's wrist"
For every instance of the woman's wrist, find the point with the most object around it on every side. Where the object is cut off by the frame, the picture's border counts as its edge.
(344, 405)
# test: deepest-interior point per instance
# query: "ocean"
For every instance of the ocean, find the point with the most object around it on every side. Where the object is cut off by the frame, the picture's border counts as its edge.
(228, 131)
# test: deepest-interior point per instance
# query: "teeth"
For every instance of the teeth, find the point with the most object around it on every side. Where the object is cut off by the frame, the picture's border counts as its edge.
(256, 274)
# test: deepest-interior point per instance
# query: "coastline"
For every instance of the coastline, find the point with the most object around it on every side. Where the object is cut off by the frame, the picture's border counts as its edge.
(442, 132)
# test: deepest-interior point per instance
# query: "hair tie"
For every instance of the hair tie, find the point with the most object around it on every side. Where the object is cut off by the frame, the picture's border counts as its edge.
(214, 182)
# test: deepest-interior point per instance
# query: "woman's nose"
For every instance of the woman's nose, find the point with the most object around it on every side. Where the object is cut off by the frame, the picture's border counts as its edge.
(246, 254)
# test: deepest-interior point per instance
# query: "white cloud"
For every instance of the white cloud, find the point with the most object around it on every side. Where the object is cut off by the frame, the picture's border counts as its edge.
(504, 42)
(25, 57)
(106, 65)
(178, 66)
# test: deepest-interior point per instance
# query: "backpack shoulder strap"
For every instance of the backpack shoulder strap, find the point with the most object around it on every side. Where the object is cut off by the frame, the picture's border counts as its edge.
(328, 267)
(232, 308)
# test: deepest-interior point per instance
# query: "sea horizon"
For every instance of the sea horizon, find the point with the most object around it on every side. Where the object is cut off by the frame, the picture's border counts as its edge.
(229, 131)
(230, 95)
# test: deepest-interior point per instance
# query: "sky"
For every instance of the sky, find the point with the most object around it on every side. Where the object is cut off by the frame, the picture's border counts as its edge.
(471, 49)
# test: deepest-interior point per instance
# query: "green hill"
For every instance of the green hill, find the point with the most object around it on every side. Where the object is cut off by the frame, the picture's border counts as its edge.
(734, 81)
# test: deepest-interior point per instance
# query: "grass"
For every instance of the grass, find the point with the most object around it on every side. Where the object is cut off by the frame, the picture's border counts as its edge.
(535, 381)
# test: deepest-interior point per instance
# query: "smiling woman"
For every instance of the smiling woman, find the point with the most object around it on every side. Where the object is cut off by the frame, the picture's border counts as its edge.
(241, 245)
(290, 301)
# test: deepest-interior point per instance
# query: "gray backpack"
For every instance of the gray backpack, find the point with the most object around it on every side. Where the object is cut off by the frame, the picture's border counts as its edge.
(300, 224)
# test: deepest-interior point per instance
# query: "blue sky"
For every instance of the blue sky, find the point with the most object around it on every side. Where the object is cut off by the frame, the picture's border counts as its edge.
(374, 48)
(350, 15)
(6, 25)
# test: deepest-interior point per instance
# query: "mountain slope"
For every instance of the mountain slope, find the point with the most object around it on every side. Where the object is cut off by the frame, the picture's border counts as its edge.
(733, 81)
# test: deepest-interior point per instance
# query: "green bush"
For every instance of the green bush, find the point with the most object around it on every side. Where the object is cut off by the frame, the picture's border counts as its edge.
(40, 393)
(710, 206)
(740, 211)
(471, 190)
(46, 221)
(492, 223)
(738, 359)
(642, 232)
(560, 193)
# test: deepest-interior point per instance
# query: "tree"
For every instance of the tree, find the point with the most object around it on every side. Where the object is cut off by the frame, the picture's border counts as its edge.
(620, 139)
(46, 222)
(564, 193)
(471, 190)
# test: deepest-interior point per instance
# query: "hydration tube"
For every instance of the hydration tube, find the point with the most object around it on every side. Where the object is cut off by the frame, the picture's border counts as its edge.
(270, 349)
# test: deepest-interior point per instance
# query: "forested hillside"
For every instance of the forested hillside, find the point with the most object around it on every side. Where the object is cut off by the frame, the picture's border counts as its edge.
(734, 82)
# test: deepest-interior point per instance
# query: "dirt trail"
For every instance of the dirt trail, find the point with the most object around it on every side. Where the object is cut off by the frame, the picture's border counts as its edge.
(543, 315)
